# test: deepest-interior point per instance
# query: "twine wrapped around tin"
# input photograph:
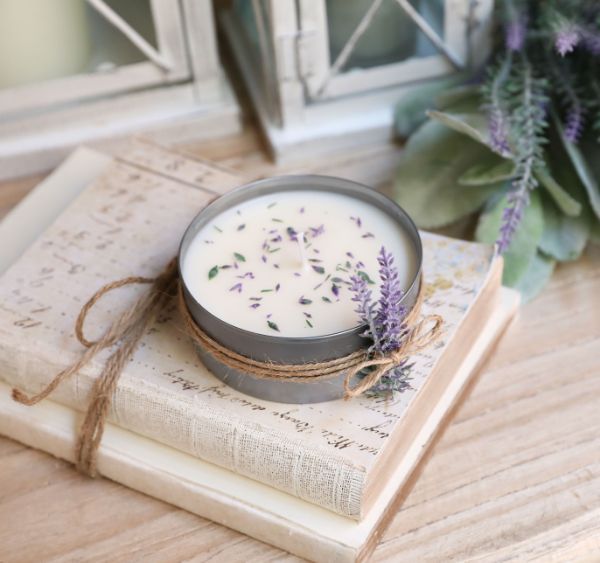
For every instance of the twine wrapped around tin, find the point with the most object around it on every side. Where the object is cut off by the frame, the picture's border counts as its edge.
(127, 330)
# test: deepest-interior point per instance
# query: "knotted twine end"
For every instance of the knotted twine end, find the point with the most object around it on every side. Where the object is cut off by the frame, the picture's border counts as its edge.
(131, 325)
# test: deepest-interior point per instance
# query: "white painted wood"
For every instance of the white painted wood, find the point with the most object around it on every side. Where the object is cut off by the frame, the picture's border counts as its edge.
(202, 45)
(408, 72)
(357, 105)
(122, 79)
(313, 44)
(39, 123)
(284, 34)
(170, 115)
(119, 23)
(170, 35)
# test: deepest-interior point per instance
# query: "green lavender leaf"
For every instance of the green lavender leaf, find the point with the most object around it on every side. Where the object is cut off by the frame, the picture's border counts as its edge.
(365, 277)
(536, 276)
(426, 184)
(213, 272)
(239, 257)
(564, 237)
(410, 111)
(474, 125)
(491, 170)
(567, 203)
(524, 244)
(273, 326)
(583, 167)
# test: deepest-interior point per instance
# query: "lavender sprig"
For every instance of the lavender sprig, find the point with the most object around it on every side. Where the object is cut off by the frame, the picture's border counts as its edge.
(529, 123)
(362, 296)
(384, 318)
(390, 314)
(566, 39)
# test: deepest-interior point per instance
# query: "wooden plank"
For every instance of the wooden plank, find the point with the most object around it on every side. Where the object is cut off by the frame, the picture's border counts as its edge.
(515, 477)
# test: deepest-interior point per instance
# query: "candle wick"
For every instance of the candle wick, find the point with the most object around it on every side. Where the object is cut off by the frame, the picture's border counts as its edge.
(300, 239)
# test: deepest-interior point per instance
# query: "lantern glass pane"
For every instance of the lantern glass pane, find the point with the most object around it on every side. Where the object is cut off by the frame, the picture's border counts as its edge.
(255, 23)
(391, 35)
(109, 46)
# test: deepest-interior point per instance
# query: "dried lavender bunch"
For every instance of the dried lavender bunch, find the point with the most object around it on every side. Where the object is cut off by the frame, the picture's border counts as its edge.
(385, 319)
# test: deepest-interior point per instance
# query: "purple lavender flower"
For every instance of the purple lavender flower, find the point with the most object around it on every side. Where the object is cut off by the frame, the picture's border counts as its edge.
(511, 217)
(567, 39)
(390, 314)
(515, 34)
(316, 231)
(574, 123)
(362, 296)
(498, 135)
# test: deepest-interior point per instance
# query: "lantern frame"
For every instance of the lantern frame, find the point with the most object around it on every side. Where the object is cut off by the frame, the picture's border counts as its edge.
(178, 93)
(303, 106)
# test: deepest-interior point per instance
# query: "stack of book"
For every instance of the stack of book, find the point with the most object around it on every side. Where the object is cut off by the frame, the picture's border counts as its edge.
(319, 480)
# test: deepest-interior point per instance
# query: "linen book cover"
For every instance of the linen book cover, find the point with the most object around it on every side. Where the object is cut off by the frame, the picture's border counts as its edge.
(130, 222)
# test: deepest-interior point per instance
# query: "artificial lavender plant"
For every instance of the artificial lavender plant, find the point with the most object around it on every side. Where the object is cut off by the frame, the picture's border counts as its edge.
(518, 141)
(384, 319)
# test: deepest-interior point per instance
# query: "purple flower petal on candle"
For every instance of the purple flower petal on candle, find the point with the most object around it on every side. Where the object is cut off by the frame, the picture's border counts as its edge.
(316, 231)
(316, 251)
(255, 306)
(225, 266)
(241, 227)
(368, 235)
(277, 287)
(357, 220)
(278, 238)
(276, 266)
(307, 315)
(264, 258)
(292, 233)
(237, 287)
(255, 298)
(304, 301)
(208, 241)
(318, 269)
(297, 274)
(302, 210)
(349, 254)
(335, 289)
(360, 264)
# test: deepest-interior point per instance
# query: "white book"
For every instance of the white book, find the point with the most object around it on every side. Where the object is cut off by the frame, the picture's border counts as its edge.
(128, 221)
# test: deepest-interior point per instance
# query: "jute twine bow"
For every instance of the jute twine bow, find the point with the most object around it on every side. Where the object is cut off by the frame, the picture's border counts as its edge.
(127, 330)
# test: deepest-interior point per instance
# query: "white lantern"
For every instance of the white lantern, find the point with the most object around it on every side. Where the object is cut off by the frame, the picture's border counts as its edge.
(98, 70)
(320, 70)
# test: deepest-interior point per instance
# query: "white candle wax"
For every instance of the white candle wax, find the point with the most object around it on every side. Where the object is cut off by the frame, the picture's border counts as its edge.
(280, 264)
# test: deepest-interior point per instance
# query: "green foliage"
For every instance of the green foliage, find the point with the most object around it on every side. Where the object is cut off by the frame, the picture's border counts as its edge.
(526, 239)
(427, 183)
(536, 276)
(537, 179)
(491, 169)
(564, 237)
(473, 125)
(567, 204)
(583, 167)
(411, 112)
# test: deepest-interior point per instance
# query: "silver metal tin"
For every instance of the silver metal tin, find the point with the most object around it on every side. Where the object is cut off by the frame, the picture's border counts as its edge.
(281, 349)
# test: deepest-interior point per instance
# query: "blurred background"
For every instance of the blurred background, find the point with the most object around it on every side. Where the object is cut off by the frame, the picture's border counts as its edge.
(317, 76)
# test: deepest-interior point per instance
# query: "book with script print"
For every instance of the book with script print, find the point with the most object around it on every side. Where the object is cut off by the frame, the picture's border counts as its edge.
(347, 457)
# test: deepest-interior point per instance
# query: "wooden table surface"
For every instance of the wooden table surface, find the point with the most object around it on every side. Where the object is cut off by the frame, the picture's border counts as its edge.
(516, 475)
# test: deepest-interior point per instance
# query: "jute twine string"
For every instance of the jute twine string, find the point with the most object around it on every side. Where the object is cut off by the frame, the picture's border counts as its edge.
(127, 330)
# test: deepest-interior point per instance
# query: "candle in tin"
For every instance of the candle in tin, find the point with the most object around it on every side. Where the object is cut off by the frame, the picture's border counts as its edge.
(266, 271)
